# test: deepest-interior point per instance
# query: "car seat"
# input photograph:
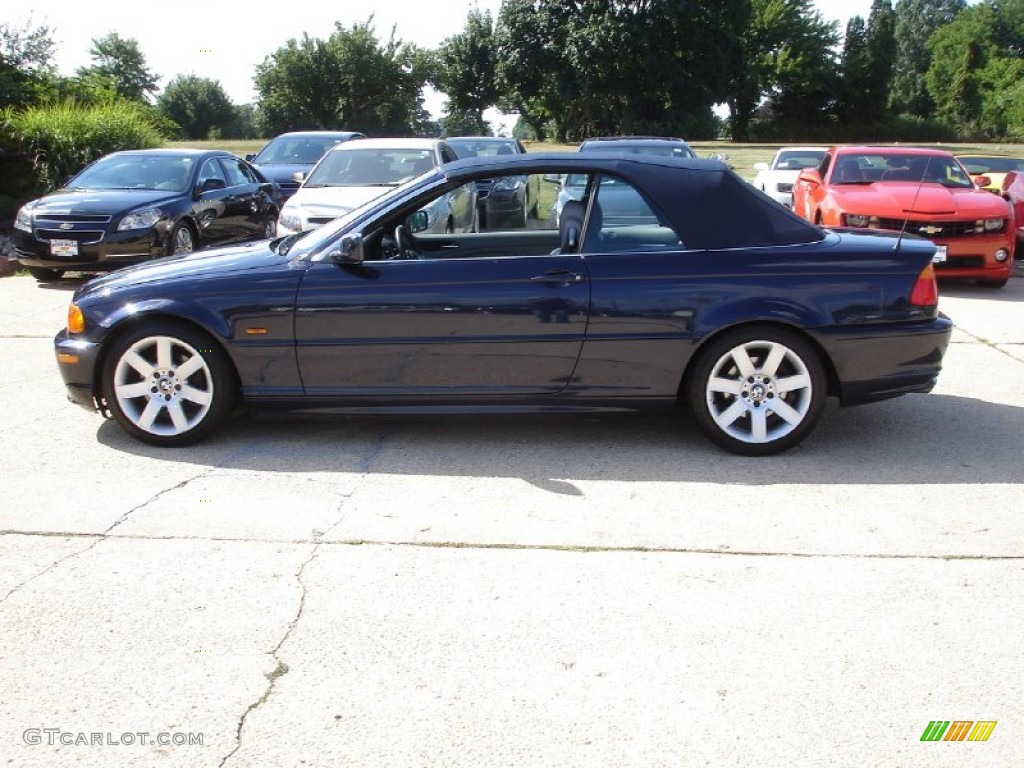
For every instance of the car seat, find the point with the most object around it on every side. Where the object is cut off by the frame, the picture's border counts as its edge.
(848, 170)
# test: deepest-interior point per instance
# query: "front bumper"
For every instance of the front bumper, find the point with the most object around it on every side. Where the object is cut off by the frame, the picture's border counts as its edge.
(975, 257)
(77, 360)
(115, 250)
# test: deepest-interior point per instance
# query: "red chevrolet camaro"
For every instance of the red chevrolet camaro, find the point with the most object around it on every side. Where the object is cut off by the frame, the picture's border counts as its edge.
(923, 192)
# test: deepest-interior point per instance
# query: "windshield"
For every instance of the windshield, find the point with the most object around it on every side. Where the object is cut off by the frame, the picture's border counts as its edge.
(797, 160)
(137, 171)
(295, 150)
(466, 148)
(992, 164)
(370, 167)
(869, 168)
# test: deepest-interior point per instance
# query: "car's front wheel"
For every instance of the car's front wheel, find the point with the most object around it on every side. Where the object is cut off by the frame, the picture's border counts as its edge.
(757, 391)
(181, 240)
(168, 384)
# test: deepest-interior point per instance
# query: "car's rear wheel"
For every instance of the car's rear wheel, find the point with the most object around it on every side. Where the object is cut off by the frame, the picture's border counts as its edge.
(757, 391)
(45, 274)
(168, 384)
(181, 240)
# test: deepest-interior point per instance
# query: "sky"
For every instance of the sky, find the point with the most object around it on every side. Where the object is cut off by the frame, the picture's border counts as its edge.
(220, 41)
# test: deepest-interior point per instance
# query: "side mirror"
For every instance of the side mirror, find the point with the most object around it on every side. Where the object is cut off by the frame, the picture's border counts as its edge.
(417, 222)
(552, 178)
(250, 157)
(983, 181)
(299, 176)
(760, 166)
(350, 250)
(209, 185)
(809, 175)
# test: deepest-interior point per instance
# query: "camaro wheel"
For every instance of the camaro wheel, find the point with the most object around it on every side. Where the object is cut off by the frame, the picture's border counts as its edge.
(757, 392)
(181, 240)
(269, 228)
(168, 385)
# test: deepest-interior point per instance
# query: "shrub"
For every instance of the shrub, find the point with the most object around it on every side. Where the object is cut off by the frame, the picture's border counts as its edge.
(61, 139)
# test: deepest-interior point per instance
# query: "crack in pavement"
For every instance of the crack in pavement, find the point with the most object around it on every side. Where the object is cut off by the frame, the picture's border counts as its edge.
(281, 668)
(990, 344)
(97, 537)
(319, 542)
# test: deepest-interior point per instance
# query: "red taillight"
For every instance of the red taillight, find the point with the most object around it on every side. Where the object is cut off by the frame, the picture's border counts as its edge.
(926, 290)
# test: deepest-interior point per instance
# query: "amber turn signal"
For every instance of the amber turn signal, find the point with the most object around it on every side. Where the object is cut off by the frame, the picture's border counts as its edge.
(926, 290)
(76, 320)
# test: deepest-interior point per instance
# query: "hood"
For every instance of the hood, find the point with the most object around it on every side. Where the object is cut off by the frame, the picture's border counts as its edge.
(281, 173)
(332, 201)
(230, 260)
(898, 199)
(99, 201)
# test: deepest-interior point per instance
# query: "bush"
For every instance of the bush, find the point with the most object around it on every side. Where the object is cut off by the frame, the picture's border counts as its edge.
(61, 139)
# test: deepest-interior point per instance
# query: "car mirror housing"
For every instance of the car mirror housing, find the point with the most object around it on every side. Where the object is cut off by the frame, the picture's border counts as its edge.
(983, 181)
(250, 157)
(810, 175)
(211, 184)
(417, 222)
(350, 250)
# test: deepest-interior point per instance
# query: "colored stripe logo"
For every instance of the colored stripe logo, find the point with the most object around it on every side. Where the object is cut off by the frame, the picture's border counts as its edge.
(958, 730)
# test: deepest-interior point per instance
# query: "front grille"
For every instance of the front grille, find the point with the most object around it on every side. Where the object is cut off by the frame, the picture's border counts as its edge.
(961, 262)
(935, 229)
(72, 218)
(83, 236)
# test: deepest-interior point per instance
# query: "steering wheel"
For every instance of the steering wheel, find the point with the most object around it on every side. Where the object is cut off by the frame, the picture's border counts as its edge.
(406, 244)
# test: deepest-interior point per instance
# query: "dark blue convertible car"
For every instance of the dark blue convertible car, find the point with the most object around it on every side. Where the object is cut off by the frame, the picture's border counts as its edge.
(694, 288)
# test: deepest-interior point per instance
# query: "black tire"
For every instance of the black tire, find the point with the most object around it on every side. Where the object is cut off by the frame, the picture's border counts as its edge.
(172, 402)
(993, 284)
(45, 274)
(790, 391)
(269, 227)
(181, 240)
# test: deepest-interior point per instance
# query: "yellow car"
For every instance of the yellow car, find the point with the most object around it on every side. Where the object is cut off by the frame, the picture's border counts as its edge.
(991, 167)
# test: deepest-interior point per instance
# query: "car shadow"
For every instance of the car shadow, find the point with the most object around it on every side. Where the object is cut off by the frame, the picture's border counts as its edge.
(65, 283)
(917, 439)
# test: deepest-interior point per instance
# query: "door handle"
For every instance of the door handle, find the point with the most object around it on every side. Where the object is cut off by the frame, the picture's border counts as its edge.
(558, 277)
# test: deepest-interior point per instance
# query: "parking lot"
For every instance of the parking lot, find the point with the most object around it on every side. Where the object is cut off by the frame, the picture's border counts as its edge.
(529, 591)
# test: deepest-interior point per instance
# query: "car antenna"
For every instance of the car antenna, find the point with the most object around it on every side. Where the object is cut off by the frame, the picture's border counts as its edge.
(906, 219)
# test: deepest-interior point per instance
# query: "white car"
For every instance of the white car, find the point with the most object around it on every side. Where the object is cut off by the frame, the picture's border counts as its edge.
(777, 179)
(355, 172)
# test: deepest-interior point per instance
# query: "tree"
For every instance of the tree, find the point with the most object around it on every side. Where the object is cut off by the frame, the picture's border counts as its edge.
(867, 61)
(915, 20)
(26, 63)
(198, 105)
(120, 67)
(465, 73)
(348, 81)
(786, 58)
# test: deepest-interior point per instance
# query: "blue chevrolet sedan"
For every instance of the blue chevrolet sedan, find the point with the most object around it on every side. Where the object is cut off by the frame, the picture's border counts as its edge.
(689, 287)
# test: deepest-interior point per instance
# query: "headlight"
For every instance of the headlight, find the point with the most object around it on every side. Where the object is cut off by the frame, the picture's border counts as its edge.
(993, 225)
(23, 220)
(290, 220)
(507, 184)
(144, 218)
(856, 220)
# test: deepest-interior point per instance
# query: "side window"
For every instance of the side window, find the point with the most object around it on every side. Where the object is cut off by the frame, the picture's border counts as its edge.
(237, 174)
(447, 155)
(212, 172)
(621, 220)
(823, 166)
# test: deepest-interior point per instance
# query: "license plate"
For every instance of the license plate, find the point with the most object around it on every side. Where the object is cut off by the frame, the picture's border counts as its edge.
(940, 254)
(64, 247)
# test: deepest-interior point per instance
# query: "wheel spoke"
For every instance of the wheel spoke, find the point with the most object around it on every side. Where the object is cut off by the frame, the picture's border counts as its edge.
(177, 415)
(148, 416)
(792, 383)
(189, 367)
(730, 414)
(786, 412)
(163, 353)
(141, 365)
(726, 386)
(743, 362)
(200, 396)
(129, 391)
(758, 425)
(774, 360)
